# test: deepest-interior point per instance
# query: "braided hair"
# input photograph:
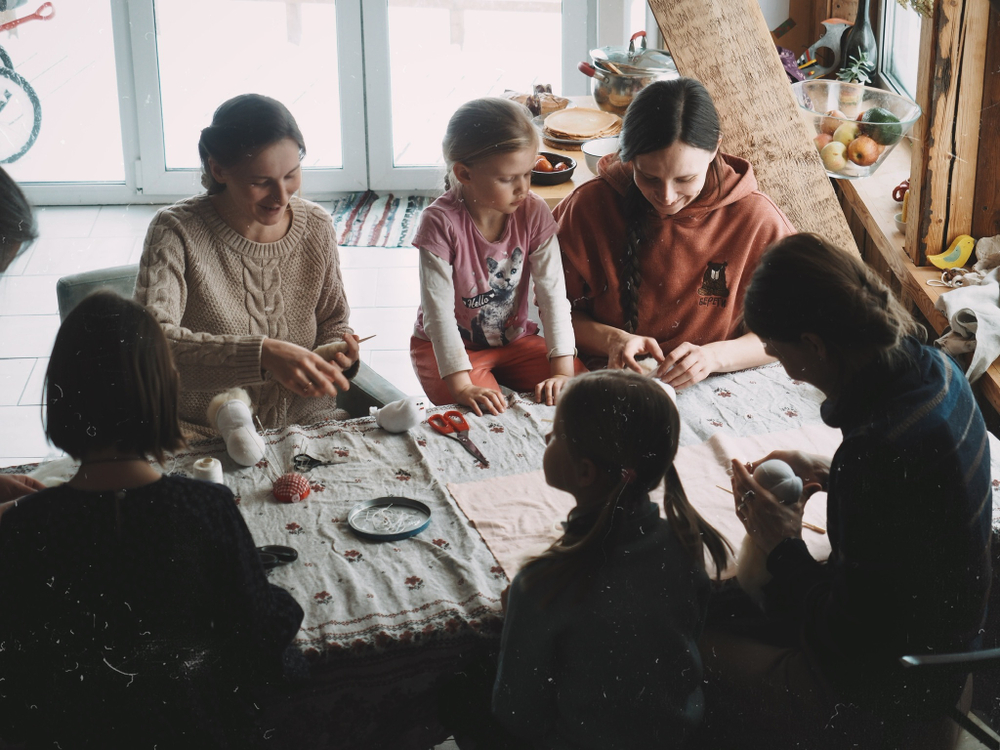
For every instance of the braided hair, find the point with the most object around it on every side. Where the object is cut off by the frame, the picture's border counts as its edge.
(240, 126)
(805, 284)
(663, 113)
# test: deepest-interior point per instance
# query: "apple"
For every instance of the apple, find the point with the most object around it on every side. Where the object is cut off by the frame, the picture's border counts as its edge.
(821, 140)
(863, 151)
(846, 133)
(829, 123)
(834, 156)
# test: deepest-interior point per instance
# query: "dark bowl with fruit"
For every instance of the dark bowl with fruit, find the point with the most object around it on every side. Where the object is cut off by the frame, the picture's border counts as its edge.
(552, 169)
(854, 127)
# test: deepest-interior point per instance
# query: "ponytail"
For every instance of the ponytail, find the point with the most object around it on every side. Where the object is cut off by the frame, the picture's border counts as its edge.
(693, 532)
(628, 428)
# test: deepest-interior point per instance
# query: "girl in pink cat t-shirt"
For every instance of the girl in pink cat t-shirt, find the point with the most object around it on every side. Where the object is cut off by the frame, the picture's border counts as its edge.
(479, 244)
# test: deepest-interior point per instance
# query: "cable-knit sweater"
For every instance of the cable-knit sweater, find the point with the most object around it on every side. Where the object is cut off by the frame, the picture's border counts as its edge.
(218, 295)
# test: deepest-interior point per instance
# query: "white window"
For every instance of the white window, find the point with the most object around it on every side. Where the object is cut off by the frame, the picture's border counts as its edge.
(125, 86)
(899, 47)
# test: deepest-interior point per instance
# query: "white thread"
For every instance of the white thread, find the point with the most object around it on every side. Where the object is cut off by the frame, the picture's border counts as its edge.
(209, 469)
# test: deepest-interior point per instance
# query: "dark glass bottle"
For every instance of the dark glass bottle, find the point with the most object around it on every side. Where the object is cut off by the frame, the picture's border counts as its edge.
(860, 39)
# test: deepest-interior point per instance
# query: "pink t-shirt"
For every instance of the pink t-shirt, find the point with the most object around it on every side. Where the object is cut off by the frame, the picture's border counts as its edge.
(491, 287)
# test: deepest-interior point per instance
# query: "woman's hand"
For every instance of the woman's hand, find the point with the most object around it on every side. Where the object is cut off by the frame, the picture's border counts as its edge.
(812, 469)
(624, 347)
(686, 365)
(766, 520)
(13, 486)
(548, 390)
(303, 372)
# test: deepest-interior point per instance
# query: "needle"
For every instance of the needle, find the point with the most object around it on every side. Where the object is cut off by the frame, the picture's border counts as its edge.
(361, 341)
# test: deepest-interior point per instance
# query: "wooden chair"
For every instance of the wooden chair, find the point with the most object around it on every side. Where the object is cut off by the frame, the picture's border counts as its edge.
(368, 388)
(950, 665)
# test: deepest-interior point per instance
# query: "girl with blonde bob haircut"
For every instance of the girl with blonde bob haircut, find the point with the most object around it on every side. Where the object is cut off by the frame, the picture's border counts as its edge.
(136, 609)
(622, 582)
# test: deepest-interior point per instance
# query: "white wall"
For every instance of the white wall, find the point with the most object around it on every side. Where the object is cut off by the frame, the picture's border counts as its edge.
(775, 11)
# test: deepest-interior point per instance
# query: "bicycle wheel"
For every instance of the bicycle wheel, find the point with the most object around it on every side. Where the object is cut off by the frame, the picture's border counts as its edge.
(20, 116)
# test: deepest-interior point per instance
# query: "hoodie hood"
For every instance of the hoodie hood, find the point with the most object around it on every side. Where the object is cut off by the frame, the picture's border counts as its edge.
(738, 181)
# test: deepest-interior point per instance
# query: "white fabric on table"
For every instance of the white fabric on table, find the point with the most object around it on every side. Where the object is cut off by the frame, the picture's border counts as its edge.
(973, 313)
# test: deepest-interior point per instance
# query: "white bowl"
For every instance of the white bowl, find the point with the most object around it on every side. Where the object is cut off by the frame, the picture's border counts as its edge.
(594, 150)
(900, 224)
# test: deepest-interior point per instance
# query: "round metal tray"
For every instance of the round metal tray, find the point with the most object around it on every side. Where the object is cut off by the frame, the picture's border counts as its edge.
(402, 518)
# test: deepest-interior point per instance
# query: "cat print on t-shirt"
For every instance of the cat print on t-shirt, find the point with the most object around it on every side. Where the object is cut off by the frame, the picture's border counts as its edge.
(496, 307)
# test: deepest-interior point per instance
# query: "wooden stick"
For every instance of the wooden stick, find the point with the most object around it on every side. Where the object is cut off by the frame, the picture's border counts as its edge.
(366, 338)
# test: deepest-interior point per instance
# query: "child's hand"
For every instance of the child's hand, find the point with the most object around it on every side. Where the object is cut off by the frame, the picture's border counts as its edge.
(475, 396)
(548, 389)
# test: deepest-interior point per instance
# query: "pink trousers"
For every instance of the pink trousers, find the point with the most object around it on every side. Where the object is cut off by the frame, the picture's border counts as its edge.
(520, 365)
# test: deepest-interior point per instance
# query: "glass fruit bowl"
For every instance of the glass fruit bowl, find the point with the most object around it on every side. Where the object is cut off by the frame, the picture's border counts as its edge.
(854, 126)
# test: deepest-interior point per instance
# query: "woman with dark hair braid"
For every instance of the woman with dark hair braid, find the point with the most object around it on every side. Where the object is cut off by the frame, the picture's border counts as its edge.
(658, 250)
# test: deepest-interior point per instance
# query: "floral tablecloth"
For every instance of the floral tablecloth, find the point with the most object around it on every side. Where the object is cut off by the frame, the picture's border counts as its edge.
(385, 622)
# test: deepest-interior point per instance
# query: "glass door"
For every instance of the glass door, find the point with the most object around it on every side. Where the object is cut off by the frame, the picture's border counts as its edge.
(191, 55)
(60, 122)
(424, 58)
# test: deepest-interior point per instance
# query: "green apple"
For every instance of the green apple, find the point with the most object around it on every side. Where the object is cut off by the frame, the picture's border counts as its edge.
(834, 156)
(846, 133)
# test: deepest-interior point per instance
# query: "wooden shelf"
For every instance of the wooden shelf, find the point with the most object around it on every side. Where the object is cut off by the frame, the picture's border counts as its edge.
(871, 200)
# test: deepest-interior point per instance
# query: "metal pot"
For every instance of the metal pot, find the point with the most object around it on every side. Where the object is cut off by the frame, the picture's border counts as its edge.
(618, 73)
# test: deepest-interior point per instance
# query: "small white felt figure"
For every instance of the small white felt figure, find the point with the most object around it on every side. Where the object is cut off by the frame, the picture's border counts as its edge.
(401, 415)
(648, 366)
(751, 563)
(230, 413)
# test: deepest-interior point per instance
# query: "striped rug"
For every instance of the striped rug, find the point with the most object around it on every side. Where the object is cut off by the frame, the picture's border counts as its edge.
(371, 220)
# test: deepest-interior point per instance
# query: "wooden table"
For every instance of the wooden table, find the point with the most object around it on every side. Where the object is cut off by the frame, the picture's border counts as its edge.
(552, 194)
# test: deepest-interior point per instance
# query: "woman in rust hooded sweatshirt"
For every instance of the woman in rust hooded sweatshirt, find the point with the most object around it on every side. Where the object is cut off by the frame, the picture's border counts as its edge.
(659, 249)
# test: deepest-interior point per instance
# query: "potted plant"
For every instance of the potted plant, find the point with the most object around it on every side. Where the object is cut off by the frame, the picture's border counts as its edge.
(858, 70)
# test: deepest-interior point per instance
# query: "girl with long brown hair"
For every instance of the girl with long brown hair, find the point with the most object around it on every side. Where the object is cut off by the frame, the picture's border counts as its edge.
(598, 646)
(658, 250)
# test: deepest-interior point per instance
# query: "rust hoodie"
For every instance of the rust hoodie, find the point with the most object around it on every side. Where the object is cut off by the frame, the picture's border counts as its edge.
(695, 264)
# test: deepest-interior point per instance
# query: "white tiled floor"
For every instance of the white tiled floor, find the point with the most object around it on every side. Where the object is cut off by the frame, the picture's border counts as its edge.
(382, 287)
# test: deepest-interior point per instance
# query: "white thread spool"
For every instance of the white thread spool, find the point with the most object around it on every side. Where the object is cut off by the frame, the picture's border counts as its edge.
(209, 469)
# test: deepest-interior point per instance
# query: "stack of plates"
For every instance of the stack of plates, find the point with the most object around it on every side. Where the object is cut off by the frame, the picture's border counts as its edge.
(571, 128)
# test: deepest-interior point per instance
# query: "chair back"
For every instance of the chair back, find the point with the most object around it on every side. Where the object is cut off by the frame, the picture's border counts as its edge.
(70, 290)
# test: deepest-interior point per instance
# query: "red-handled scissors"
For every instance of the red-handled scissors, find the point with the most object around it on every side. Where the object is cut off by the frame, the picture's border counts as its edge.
(453, 423)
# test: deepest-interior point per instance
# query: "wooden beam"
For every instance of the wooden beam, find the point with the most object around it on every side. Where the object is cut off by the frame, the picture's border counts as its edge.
(946, 138)
(727, 46)
(986, 218)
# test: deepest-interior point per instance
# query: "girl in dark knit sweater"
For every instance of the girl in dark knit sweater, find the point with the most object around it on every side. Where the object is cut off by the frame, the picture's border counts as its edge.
(598, 646)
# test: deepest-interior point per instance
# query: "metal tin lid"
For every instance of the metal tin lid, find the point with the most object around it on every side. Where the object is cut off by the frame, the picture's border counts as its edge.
(387, 519)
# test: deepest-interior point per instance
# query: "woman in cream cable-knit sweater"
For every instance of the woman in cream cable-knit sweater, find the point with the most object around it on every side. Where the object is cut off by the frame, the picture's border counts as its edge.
(245, 280)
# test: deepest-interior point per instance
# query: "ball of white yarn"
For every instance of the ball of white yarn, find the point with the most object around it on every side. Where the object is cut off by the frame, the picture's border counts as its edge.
(777, 477)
